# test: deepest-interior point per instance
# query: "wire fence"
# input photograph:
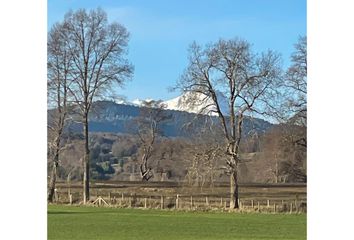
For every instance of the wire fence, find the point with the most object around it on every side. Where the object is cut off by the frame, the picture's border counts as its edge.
(186, 201)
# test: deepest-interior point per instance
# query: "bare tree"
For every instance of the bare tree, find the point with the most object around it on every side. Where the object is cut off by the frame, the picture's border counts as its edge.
(283, 159)
(293, 153)
(248, 81)
(96, 49)
(148, 128)
(202, 165)
(59, 65)
(205, 155)
(296, 84)
(271, 154)
(285, 146)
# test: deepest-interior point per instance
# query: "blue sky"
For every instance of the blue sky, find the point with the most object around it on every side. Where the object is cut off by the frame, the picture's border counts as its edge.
(161, 32)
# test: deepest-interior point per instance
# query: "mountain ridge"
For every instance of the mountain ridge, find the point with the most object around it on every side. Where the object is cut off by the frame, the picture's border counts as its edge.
(108, 116)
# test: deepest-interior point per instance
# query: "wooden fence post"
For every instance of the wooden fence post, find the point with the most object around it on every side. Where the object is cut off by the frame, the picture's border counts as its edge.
(162, 202)
(291, 207)
(259, 209)
(121, 199)
(268, 203)
(225, 204)
(296, 208)
(221, 202)
(71, 199)
(207, 201)
(177, 201)
(252, 204)
(191, 202)
(145, 203)
(55, 195)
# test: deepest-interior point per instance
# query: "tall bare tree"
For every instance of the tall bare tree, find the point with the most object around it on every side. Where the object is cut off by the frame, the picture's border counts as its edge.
(59, 65)
(296, 84)
(97, 49)
(287, 143)
(248, 81)
(148, 128)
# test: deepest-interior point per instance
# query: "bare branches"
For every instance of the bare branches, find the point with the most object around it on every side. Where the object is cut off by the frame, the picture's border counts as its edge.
(296, 84)
(97, 49)
(204, 165)
(59, 65)
(152, 115)
(231, 69)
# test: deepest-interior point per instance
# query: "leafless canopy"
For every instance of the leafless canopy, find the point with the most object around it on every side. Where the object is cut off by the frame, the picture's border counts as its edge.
(97, 49)
(296, 83)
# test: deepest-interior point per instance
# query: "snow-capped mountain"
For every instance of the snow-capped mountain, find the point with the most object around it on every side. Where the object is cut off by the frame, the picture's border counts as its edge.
(190, 102)
(197, 103)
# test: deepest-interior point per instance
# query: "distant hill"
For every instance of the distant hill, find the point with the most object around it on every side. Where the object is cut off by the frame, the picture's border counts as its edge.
(108, 116)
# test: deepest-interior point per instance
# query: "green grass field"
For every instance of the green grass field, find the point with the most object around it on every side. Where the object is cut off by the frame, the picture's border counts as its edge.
(65, 222)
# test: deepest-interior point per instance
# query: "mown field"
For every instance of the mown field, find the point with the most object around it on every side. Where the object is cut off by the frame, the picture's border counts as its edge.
(73, 222)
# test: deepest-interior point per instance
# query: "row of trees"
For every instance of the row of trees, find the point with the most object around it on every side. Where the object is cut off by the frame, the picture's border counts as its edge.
(265, 157)
(86, 59)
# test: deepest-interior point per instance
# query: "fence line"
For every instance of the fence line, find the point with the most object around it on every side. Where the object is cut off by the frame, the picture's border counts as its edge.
(185, 202)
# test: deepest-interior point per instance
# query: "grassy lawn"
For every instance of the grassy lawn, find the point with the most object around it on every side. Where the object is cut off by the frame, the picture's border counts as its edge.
(65, 222)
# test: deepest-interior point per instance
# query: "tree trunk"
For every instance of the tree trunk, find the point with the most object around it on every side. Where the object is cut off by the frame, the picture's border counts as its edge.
(86, 183)
(234, 190)
(276, 170)
(145, 172)
(53, 178)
